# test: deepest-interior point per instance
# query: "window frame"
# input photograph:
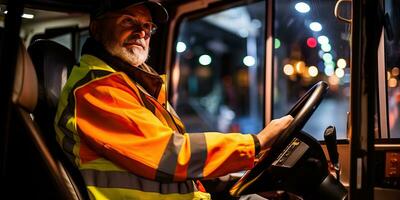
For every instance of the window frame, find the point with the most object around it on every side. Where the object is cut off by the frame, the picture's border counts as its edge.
(195, 10)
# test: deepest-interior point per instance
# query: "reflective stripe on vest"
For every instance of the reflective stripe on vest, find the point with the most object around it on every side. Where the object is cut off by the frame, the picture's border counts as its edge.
(104, 179)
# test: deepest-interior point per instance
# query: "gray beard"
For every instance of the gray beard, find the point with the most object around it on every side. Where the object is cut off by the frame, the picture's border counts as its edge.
(134, 56)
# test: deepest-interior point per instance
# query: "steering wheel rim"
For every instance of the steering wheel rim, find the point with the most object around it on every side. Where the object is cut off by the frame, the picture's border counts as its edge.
(301, 112)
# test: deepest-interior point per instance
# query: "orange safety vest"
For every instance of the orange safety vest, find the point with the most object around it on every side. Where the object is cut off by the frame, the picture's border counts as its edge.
(128, 144)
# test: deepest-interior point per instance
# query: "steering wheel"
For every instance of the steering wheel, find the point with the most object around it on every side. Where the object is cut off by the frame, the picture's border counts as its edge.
(301, 112)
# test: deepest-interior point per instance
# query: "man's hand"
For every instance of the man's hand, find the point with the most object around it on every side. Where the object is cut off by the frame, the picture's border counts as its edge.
(269, 134)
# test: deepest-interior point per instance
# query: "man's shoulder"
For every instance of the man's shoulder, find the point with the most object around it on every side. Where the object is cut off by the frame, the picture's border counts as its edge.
(90, 62)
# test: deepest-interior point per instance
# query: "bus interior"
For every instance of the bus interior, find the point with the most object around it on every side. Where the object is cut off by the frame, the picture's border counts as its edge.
(231, 66)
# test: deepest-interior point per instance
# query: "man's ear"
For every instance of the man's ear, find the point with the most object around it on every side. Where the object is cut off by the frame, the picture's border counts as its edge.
(93, 28)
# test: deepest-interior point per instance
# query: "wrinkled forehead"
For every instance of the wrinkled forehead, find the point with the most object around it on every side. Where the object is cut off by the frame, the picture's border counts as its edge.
(139, 11)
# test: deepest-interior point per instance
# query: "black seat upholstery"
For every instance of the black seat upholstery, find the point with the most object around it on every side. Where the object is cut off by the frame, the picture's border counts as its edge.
(40, 141)
(53, 63)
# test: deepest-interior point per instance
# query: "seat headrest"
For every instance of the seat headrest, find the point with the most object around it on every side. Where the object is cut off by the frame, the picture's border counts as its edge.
(25, 92)
(53, 62)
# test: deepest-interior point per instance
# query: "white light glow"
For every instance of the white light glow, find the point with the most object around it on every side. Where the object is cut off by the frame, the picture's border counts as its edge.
(243, 33)
(205, 60)
(256, 23)
(339, 72)
(302, 7)
(288, 69)
(323, 39)
(329, 71)
(329, 64)
(341, 63)
(313, 71)
(315, 26)
(327, 57)
(180, 47)
(321, 53)
(249, 61)
(26, 16)
(326, 47)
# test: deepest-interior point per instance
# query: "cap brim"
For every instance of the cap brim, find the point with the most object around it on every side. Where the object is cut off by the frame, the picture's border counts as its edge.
(158, 12)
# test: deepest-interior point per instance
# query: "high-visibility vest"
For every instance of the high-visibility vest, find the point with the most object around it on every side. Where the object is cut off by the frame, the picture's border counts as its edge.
(128, 144)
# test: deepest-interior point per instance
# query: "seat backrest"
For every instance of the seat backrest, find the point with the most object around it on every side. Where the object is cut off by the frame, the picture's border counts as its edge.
(25, 99)
(52, 62)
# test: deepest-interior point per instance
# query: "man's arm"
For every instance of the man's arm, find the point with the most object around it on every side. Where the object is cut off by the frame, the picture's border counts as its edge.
(112, 119)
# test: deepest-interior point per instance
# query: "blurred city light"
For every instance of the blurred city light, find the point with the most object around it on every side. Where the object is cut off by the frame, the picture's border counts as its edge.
(329, 71)
(315, 26)
(302, 7)
(341, 63)
(313, 71)
(311, 42)
(24, 15)
(321, 53)
(333, 80)
(277, 43)
(339, 72)
(205, 60)
(256, 23)
(326, 47)
(327, 57)
(27, 16)
(323, 39)
(288, 69)
(249, 61)
(300, 67)
(243, 33)
(180, 47)
(330, 64)
(395, 71)
(392, 82)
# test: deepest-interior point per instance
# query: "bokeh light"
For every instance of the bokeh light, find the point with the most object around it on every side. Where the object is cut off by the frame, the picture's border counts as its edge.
(277, 43)
(313, 71)
(326, 47)
(249, 61)
(323, 39)
(341, 63)
(395, 71)
(311, 42)
(392, 82)
(339, 72)
(205, 59)
(288, 69)
(180, 47)
(302, 7)
(315, 26)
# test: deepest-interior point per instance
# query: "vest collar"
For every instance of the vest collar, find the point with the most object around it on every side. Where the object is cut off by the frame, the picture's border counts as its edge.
(149, 80)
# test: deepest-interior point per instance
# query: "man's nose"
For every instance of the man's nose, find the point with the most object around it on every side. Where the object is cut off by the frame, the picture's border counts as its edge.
(141, 34)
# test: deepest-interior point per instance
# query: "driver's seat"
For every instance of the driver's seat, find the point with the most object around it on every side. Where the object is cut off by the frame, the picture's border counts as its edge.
(43, 83)
(53, 63)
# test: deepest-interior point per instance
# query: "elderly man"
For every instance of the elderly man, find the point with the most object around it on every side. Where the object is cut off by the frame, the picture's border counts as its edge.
(113, 120)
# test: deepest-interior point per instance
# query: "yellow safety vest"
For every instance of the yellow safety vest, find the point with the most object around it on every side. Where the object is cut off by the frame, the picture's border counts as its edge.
(128, 144)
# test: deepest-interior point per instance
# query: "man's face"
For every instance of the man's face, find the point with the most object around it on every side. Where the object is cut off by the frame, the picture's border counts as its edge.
(124, 34)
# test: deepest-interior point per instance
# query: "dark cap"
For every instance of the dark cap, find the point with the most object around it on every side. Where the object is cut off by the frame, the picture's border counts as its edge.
(158, 12)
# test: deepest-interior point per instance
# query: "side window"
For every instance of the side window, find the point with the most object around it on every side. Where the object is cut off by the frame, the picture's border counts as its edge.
(392, 64)
(65, 40)
(312, 45)
(218, 78)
